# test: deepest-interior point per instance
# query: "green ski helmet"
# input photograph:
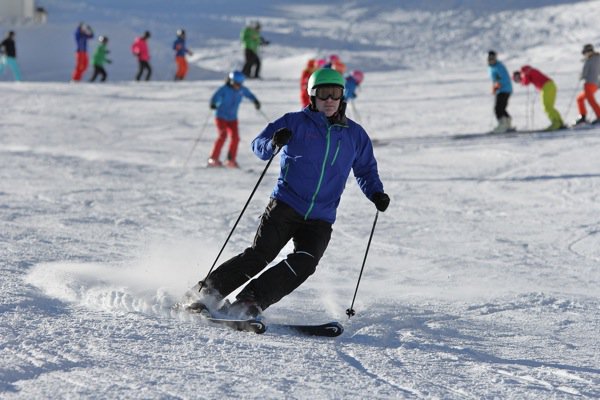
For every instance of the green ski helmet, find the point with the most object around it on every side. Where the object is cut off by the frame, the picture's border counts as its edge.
(324, 77)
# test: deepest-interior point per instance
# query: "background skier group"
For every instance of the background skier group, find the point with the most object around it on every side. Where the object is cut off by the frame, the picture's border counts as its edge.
(502, 89)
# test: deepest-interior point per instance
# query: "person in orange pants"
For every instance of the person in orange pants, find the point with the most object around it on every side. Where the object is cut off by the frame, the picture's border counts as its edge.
(180, 52)
(590, 76)
(82, 34)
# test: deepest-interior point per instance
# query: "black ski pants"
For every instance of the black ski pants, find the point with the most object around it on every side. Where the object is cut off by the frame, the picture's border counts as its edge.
(99, 71)
(501, 104)
(279, 223)
(143, 66)
(252, 60)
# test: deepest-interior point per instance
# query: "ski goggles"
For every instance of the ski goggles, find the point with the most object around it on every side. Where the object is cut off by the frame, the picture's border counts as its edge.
(326, 92)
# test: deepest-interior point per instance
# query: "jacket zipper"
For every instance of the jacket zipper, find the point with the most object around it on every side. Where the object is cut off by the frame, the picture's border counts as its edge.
(323, 166)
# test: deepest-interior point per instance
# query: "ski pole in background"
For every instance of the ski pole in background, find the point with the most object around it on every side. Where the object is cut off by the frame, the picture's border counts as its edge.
(527, 113)
(240, 216)
(261, 112)
(571, 101)
(197, 139)
(355, 112)
(350, 312)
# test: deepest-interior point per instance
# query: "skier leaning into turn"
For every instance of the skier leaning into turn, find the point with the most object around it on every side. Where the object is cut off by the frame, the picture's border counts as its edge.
(319, 146)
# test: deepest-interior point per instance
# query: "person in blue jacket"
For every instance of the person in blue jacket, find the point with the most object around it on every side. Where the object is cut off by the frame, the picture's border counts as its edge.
(181, 51)
(226, 102)
(319, 147)
(502, 89)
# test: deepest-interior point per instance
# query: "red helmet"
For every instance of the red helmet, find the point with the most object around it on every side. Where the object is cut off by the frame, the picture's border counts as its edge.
(358, 75)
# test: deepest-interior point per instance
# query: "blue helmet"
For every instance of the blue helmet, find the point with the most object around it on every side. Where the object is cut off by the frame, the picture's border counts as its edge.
(237, 77)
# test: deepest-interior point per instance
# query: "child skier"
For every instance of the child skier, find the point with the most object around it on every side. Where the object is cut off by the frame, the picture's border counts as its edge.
(528, 75)
(8, 55)
(502, 89)
(226, 102)
(180, 52)
(353, 81)
(590, 75)
(306, 73)
(83, 33)
(99, 58)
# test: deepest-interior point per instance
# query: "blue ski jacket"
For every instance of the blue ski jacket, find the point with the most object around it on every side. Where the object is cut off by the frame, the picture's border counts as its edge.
(350, 90)
(316, 162)
(227, 99)
(498, 73)
(179, 47)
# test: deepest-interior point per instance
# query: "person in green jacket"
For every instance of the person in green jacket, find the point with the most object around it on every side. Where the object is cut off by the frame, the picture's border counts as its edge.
(251, 40)
(99, 59)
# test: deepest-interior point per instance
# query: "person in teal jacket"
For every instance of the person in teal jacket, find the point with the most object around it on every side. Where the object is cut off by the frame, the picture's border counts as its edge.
(226, 103)
(319, 148)
(99, 58)
(502, 89)
(251, 40)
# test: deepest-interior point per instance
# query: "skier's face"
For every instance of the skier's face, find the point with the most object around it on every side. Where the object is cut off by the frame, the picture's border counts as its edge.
(328, 99)
(328, 107)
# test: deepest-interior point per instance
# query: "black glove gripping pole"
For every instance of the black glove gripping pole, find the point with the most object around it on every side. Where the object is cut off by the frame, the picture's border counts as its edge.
(240, 216)
(350, 312)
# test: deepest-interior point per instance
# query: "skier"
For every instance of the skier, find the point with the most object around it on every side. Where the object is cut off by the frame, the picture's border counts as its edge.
(139, 48)
(226, 102)
(319, 146)
(353, 81)
(251, 40)
(528, 75)
(99, 58)
(8, 56)
(502, 89)
(335, 62)
(306, 73)
(590, 75)
(83, 33)
(180, 52)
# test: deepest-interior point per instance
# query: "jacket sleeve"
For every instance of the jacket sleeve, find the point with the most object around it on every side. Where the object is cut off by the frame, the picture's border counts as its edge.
(365, 167)
(248, 94)
(261, 145)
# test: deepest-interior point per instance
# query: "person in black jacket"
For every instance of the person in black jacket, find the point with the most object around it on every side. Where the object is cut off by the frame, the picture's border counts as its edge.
(8, 56)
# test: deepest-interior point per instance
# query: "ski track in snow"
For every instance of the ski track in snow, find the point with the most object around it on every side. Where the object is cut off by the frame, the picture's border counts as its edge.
(482, 279)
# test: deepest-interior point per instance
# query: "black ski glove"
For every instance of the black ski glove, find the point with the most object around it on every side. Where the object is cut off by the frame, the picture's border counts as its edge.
(381, 200)
(257, 104)
(213, 106)
(281, 137)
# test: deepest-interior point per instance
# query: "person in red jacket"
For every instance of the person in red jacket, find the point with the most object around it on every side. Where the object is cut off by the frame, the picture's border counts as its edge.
(139, 48)
(311, 66)
(528, 75)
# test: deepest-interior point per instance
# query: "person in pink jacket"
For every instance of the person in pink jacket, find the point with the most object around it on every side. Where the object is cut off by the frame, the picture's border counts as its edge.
(139, 48)
(546, 86)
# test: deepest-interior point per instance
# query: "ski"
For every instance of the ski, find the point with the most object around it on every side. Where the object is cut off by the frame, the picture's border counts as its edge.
(330, 329)
(246, 325)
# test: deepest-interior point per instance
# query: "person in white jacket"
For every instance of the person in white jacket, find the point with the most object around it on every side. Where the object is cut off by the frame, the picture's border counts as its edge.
(590, 76)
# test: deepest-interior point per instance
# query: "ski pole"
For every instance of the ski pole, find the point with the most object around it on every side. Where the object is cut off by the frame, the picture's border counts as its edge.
(240, 216)
(261, 112)
(355, 112)
(571, 101)
(350, 312)
(197, 139)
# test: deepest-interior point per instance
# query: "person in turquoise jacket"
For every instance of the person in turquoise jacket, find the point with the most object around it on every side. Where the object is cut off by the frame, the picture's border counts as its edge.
(502, 89)
(319, 148)
(99, 58)
(226, 103)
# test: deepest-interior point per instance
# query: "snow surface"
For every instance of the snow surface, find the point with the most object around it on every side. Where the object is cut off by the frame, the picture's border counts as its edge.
(482, 280)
